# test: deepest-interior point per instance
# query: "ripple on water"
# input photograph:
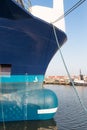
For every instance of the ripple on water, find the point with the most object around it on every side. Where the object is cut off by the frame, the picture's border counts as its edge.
(70, 114)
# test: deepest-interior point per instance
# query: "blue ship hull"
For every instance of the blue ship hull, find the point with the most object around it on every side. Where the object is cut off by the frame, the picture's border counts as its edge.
(27, 44)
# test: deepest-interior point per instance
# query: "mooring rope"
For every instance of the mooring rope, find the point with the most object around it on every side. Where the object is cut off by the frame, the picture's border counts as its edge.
(75, 6)
(66, 68)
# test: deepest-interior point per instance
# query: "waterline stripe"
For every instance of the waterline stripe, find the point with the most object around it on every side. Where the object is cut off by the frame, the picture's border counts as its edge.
(22, 78)
(47, 111)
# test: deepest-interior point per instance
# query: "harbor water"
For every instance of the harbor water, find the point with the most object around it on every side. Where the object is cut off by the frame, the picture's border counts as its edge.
(70, 114)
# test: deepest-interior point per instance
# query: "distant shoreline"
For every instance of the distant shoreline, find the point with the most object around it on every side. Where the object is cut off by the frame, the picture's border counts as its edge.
(84, 85)
(64, 80)
(56, 83)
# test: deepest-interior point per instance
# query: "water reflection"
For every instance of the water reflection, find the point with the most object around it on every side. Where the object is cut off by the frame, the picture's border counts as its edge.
(70, 114)
(30, 125)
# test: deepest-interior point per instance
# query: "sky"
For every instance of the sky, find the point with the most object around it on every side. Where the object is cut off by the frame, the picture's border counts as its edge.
(74, 50)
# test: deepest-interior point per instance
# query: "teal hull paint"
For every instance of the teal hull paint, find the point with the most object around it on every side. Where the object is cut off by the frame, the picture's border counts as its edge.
(14, 83)
(36, 104)
(21, 78)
